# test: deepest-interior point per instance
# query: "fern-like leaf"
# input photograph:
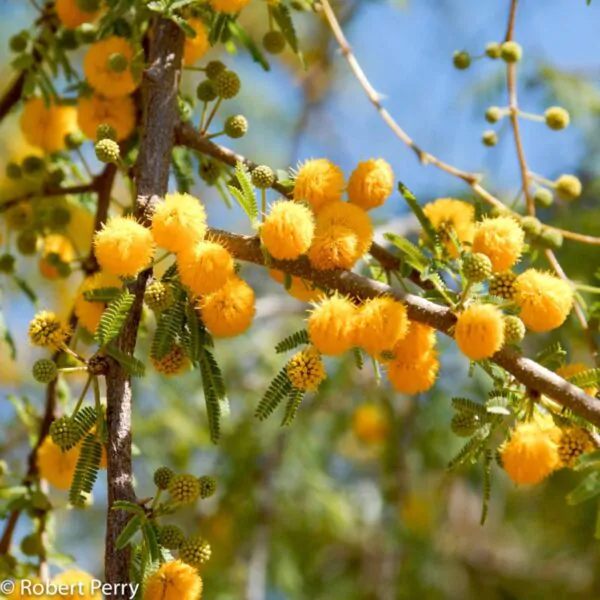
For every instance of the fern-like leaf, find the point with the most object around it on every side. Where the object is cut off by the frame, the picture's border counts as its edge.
(278, 389)
(197, 337)
(214, 392)
(86, 470)
(469, 406)
(283, 17)
(585, 379)
(130, 364)
(553, 354)
(411, 254)
(426, 224)
(102, 294)
(293, 341)
(487, 484)
(170, 325)
(82, 423)
(113, 318)
(471, 450)
(295, 397)
(358, 358)
(245, 196)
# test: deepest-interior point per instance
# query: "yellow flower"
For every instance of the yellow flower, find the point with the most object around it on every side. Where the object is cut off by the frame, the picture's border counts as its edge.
(333, 247)
(479, 331)
(573, 442)
(501, 239)
(371, 183)
(300, 289)
(109, 82)
(331, 325)
(124, 247)
(418, 341)
(381, 323)
(288, 230)
(545, 300)
(306, 370)
(448, 214)
(319, 182)
(173, 363)
(80, 583)
(350, 216)
(179, 222)
(569, 370)
(228, 6)
(46, 126)
(228, 311)
(95, 110)
(195, 48)
(55, 245)
(55, 466)
(70, 15)
(369, 424)
(531, 453)
(47, 330)
(90, 313)
(414, 376)
(174, 580)
(205, 267)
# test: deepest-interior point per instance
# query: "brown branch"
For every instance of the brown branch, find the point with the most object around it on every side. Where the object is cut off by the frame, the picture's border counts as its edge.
(160, 85)
(48, 192)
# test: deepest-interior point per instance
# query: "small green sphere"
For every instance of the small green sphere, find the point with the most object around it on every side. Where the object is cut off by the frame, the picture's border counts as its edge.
(205, 92)
(568, 187)
(209, 171)
(227, 84)
(208, 486)
(236, 126)
(74, 139)
(493, 50)
(68, 39)
(514, 330)
(557, 118)
(171, 537)
(274, 42)
(60, 216)
(477, 267)
(18, 43)
(86, 33)
(184, 488)
(32, 165)
(13, 171)
(195, 551)
(107, 151)
(159, 296)
(40, 501)
(462, 60)
(550, 238)
(163, 477)
(493, 114)
(489, 138)
(263, 177)
(214, 68)
(88, 6)
(117, 63)
(62, 432)
(31, 545)
(56, 175)
(7, 264)
(44, 370)
(464, 424)
(27, 242)
(104, 131)
(511, 52)
(531, 225)
(543, 197)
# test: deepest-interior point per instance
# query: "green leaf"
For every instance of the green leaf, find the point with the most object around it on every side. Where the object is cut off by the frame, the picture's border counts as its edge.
(114, 318)
(246, 196)
(86, 470)
(25, 288)
(218, 27)
(428, 227)
(487, 485)
(183, 169)
(214, 392)
(127, 533)
(102, 294)
(471, 450)
(197, 337)
(358, 358)
(7, 337)
(587, 378)
(587, 489)
(183, 25)
(410, 253)
(239, 33)
(283, 18)
(587, 461)
(470, 407)
(295, 397)
(130, 364)
(151, 540)
(553, 354)
(278, 389)
(169, 327)
(127, 506)
(293, 341)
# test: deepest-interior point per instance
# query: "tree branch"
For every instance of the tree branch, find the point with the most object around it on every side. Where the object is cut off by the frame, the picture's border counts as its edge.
(160, 85)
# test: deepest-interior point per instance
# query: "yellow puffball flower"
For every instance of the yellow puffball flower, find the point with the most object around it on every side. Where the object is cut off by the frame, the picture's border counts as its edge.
(331, 325)
(299, 288)
(545, 300)
(95, 110)
(45, 127)
(319, 182)
(448, 214)
(573, 442)
(415, 375)
(479, 331)
(369, 424)
(179, 222)
(228, 6)
(55, 466)
(205, 267)
(90, 313)
(351, 216)
(306, 370)
(172, 363)
(418, 341)
(47, 330)
(59, 246)
(109, 82)
(124, 247)
(288, 230)
(567, 371)
(79, 584)
(501, 239)
(174, 580)
(371, 183)
(531, 453)
(380, 324)
(333, 247)
(70, 15)
(230, 310)
(195, 48)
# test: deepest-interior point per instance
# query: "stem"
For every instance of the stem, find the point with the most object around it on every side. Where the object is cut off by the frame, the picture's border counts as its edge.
(213, 112)
(263, 197)
(84, 162)
(86, 387)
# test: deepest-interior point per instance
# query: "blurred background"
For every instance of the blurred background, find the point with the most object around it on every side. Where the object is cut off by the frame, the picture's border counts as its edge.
(331, 508)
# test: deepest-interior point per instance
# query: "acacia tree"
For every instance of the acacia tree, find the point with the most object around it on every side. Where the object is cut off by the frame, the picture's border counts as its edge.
(469, 276)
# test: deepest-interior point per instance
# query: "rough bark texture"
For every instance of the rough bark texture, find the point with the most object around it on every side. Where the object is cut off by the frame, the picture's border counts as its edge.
(160, 84)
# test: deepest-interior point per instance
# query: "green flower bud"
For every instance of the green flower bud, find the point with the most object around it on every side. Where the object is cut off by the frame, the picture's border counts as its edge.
(236, 126)
(31, 545)
(550, 238)
(18, 43)
(68, 39)
(86, 33)
(464, 424)
(205, 92)
(163, 477)
(62, 432)
(263, 177)
(208, 486)
(88, 6)
(60, 217)
(476, 267)
(511, 52)
(543, 197)
(104, 131)
(462, 60)
(493, 50)
(27, 242)
(13, 171)
(7, 264)
(117, 63)
(557, 118)
(171, 537)
(209, 171)
(568, 187)
(531, 225)
(489, 138)
(74, 139)
(32, 165)
(274, 42)
(214, 68)
(64, 270)
(159, 296)
(493, 114)
(107, 151)
(44, 370)
(184, 488)
(514, 330)
(227, 84)
(195, 551)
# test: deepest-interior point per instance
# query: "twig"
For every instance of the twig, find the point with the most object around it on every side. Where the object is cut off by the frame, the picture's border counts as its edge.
(48, 192)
